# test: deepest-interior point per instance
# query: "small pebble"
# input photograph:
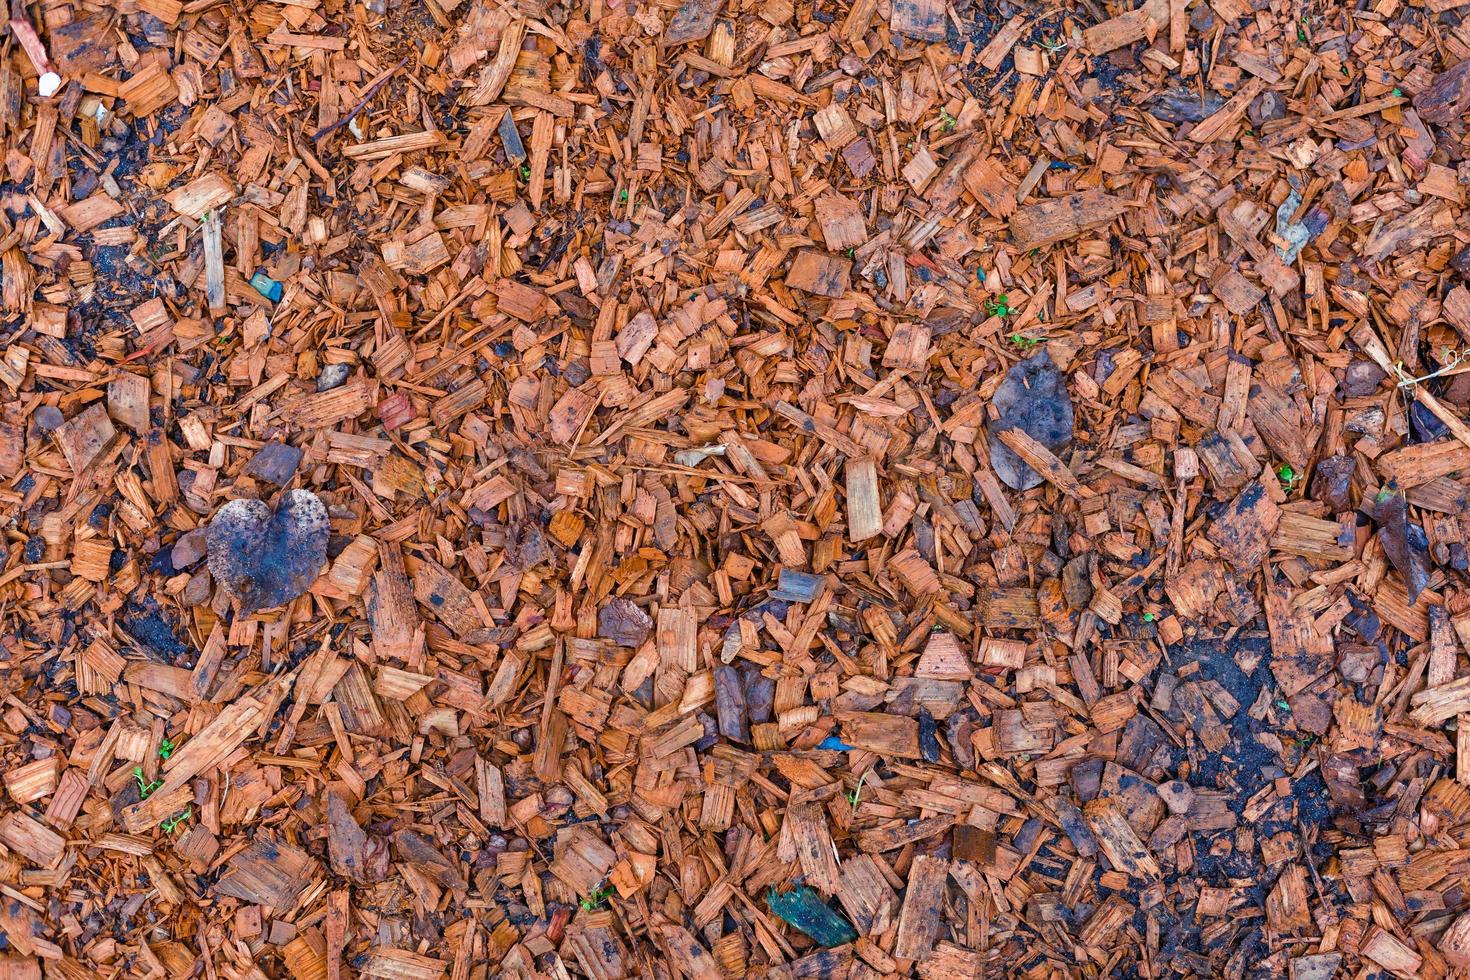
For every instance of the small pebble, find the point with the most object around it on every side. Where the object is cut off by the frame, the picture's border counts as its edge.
(190, 547)
(48, 418)
(332, 376)
(1177, 796)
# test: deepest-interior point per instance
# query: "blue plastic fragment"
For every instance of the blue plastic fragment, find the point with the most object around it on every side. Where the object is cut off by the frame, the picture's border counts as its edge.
(833, 742)
(267, 287)
(803, 908)
(793, 586)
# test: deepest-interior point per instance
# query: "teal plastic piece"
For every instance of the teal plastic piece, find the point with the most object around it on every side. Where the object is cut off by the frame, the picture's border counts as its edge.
(803, 908)
(267, 287)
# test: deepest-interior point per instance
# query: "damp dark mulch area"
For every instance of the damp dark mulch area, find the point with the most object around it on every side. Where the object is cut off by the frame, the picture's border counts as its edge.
(121, 278)
(1052, 30)
(155, 632)
(1223, 688)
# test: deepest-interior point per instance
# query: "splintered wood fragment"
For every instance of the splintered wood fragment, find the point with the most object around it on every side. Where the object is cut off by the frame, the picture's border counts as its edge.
(921, 19)
(492, 80)
(1228, 115)
(1058, 219)
(988, 182)
(731, 712)
(209, 192)
(919, 921)
(32, 840)
(387, 963)
(214, 262)
(214, 743)
(806, 828)
(519, 300)
(324, 409)
(996, 49)
(268, 872)
(823, 430)
(83, 437)
(636, 337)
(1108, 819)
(916, 574)
(1127, 28)
(864, 509)
(392, 615)
(1437, 705)
(583, 859)
(127, 401)
(943, 659)
(675, 638)
(1311, 537)
(1243, 530)
(389, 145)
(893, 736)
(1043, 461)
(1286, 905)
(1391, 953)
(842, 222)
(441, 593)
(820, 273)
(571, 412)
(1447, 97)
(1300, 653)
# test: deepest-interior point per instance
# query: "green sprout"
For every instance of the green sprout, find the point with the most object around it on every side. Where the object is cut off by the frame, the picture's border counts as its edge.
(950, 122)
(1149, 617)
(1398, 93)
(145, 788)
(1287, 476)
(1301, 30)
(1054, 45)
(851, 253)
(1000, 306)
(525, 172)
(852, 798)
(623, 195)
(172, 823)
(596, 899)
(166, 749)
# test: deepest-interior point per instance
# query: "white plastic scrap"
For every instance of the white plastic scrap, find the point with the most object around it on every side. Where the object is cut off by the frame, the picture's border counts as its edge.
(1296, 233)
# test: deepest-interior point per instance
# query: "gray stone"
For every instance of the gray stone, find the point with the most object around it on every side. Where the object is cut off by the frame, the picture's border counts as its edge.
(332, 376)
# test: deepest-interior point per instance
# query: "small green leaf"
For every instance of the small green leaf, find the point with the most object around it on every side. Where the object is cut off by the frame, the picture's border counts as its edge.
(1149, 617)
(145, 788)
(596, 899)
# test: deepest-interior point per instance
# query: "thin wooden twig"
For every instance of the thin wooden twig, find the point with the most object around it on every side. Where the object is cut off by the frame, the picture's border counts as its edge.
(361, 103)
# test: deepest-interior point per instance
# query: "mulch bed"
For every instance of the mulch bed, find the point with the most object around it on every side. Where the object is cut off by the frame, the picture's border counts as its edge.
(734, 489)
